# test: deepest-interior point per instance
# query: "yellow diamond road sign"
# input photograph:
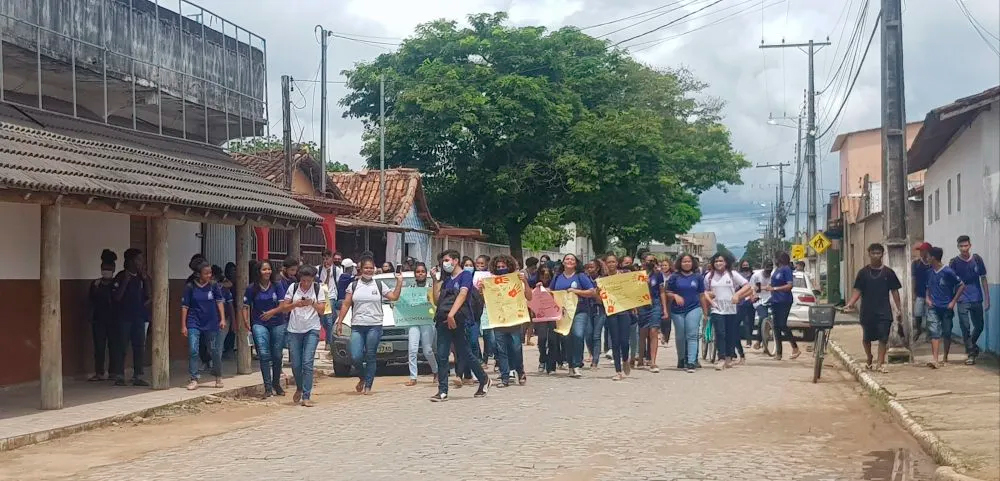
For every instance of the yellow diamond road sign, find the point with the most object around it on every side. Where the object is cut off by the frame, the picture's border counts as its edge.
(820, 243)
(798, 251)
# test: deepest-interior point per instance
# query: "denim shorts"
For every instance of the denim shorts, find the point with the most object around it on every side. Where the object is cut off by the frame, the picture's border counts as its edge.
(650, 316)
(933, 323)
(919, 307)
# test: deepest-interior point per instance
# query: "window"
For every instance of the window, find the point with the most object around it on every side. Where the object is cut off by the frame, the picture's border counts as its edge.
(937, 204)
(949, 196)
(930, 210)
(958, 192)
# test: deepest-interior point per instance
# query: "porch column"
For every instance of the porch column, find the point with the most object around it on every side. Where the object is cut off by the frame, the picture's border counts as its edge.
(294, 244)
(50, 325)
(160, 322)
(263, 242)
(329, 227)
(242, 279)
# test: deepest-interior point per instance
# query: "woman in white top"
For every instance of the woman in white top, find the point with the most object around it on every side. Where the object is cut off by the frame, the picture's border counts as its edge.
(761, 283)
(724, 288)
(365, 296)
(305, 302)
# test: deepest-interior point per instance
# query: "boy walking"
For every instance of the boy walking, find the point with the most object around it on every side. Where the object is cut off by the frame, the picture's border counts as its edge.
(975, 300)
(944, 289)
(873, 286)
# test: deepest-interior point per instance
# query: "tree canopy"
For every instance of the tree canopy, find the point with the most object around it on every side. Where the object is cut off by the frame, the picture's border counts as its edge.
(506, 123)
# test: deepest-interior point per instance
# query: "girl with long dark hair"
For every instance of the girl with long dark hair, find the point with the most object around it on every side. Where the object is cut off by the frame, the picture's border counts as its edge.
(262, 310)
(202, 316)
(782, 281)
(509, 354)
(549, 344)
(621, 325)
(650, 316)
(724, 289)
(745, 312)
(578, 283)
(686, 289)
(598, 317)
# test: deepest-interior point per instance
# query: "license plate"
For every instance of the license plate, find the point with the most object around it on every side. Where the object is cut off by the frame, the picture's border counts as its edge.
(384, 348)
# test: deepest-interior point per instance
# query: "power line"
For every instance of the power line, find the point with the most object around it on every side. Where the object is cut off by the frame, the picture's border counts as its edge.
(690, 2)
(852, 43)
(716, 2)
(371, 43)
(978, 27)
(630, 16)
(658, 41)
(856, 74)
(358, 35)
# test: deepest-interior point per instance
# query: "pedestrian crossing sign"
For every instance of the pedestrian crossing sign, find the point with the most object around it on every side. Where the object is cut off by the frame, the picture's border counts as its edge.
(798, 251)
(820, 243)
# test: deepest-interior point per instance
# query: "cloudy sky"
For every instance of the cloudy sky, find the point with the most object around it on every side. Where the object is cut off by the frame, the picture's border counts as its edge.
(945, 59)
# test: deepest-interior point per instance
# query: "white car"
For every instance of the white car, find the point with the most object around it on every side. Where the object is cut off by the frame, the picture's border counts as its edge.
(388, 282)
(803, 296)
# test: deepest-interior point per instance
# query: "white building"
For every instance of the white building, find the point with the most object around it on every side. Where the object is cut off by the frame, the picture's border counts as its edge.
(959, 145)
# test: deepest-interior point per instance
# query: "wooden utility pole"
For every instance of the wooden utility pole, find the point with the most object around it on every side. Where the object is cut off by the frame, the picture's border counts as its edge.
(160, 314)
(50, 325)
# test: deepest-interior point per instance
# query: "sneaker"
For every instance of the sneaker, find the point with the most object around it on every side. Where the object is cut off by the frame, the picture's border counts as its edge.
(502, 384)
(970, 361)
(608, 354)
(218, 383)
(628, 369)
(541, 367)
(719, 365)
(192, 385)
(575, 373)
(307, 403)
(681, 365)
(654, 369)
(484, 389)
(795, 354)
(139, 382)
(278, 391)
(439, 397)
(522, 380)
(689, 369)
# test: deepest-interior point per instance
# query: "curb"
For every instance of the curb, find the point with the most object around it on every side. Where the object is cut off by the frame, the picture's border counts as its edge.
(23, 440)
(945, 457)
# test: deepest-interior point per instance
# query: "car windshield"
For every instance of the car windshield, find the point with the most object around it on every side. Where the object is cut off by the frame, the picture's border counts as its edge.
(799, 282)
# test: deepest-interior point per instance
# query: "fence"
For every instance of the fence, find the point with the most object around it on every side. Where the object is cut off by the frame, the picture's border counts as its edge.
(473, 248)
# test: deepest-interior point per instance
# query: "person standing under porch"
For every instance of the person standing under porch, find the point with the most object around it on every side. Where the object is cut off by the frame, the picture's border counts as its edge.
(132, 298)
(103, 324)
(873, 286)
(975, 300)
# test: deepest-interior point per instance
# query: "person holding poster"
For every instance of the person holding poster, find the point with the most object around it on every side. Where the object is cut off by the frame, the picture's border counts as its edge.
(509, 354)
(651, 315)
(621, 327)
(686, 290)
(419, 333)
(598, 318)
(724, 289)
(544, 314)
(578, 283)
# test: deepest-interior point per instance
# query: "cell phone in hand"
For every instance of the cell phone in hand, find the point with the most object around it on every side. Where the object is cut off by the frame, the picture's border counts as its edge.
(399, 269)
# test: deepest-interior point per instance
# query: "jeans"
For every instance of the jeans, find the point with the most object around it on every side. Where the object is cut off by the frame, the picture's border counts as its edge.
(549, 345)
(633, 339)
(510, 355)
(212, 340)
(727, 336)
(576, 337)
(421, 336)
(687, 325)
(302, 351)
(457, 337)
(472, 335)
(270, 343)
(327, 322)
(607, 334)
(781, 330)
(593, 336)
(971, 312)
(489, 344)
(130, 333)
(364, 346)
(746, 314)
(665, 329)
(104, 344)
(762, 313)
(621, 326)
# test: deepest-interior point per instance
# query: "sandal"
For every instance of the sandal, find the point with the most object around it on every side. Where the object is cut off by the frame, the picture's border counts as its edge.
(360, 386)
(522, 380)
(932, 365)
(795, 354)
(411, 382)
(96, 377)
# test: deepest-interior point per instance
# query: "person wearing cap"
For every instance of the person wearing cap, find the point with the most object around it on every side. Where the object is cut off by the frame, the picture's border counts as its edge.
(920, 270)
(346, 276)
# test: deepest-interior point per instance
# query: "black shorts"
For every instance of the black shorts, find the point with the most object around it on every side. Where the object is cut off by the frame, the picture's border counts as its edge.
(877, 330)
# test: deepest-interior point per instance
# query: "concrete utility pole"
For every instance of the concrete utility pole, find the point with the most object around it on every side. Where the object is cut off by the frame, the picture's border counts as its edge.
(286, 127)
(810, 157)
(894, 186)
(798, 177)
(324, 34)
(781, 211)
(381, 147)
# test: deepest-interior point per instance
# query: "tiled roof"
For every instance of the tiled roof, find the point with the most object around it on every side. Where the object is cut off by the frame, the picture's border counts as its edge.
(270, 165)
(403, 189)
(48, 152)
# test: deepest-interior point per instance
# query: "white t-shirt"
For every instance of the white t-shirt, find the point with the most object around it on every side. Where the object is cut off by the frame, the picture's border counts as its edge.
(366, 302)
(305, 319)
(724, 286)
(758, 277)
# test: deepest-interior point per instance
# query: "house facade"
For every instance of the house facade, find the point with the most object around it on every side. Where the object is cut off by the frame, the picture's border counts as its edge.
(958, 146)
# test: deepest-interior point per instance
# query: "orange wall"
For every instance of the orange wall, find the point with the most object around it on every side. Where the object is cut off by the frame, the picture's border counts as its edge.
(860, 155)
(302, 185)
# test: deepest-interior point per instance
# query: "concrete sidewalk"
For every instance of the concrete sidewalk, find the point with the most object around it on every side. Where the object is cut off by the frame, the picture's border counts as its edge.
(954, 411)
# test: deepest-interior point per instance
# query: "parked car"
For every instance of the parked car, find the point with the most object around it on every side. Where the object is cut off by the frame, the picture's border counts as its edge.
(394, 347)
(803, 296)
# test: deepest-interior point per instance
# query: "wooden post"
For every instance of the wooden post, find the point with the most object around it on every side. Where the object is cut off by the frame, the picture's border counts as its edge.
(50, 322)
(294, 244)
(160, 311)
(239, 286)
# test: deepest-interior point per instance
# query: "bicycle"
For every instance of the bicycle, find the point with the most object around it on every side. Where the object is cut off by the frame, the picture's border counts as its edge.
(767, 334)
(820, 317)
(707, 338)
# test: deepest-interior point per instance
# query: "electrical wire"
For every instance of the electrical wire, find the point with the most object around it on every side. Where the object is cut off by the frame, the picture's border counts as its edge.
(659, 41)
(841, 83)
(853, 43)
(371, 43)
(857, 73)
(982, 31)
(647, 12)
(716, 2)
(609, 34)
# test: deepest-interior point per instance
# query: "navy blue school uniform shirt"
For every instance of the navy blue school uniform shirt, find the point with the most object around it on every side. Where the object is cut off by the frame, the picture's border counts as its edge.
(782, 276)
(342, 282)
(941, 285)
(656, 281)
(462, 279)
(920, 271)
(969, 271)
(132, 307)
(690, 287)
(203, 305)
(261, 300)
(578, 280)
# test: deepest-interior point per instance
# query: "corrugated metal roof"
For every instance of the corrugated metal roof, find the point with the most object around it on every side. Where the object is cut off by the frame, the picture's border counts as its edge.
(47, 152)
(942, 123)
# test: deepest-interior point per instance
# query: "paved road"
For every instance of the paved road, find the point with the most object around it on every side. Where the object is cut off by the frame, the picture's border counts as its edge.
(763, 421)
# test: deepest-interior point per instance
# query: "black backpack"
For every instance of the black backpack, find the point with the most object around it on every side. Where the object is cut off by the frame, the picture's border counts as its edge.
(354, 287)
(477, 303)
(315, 288)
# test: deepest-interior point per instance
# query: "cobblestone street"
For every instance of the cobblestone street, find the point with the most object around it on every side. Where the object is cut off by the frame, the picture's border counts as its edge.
(762, 421)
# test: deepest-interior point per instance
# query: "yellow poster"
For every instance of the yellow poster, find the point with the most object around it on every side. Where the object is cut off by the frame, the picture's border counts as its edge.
(567, 301)
(622, 292)
(505, 302)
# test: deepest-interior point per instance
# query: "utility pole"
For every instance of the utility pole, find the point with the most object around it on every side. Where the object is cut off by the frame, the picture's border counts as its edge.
(286, 128)
(781, 212)
(798, 177)
(381, 148)
(324, 34)
(894, 186)
(810, 147)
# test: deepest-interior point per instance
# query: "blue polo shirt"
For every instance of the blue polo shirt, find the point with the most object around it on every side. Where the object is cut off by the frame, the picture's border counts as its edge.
(578, 280)
(262, 300)
(655, 284)
(969, 271)
(202, 303)
(920, 272)
(781, 276)
(690, 287)
(941, 285)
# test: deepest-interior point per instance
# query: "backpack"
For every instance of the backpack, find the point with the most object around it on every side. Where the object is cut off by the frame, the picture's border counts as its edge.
(315, 288)
(354, 287)
(477, 303)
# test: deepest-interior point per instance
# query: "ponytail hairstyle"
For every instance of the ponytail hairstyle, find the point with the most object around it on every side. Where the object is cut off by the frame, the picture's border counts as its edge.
(108, 259)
